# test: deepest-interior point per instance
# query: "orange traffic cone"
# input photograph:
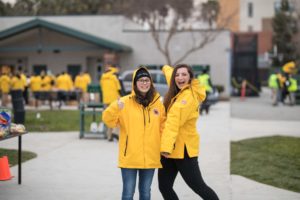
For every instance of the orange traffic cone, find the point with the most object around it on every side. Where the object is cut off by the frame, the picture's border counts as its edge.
(4, 169)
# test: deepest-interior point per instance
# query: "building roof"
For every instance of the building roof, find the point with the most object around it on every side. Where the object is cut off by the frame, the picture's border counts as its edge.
(36, 23)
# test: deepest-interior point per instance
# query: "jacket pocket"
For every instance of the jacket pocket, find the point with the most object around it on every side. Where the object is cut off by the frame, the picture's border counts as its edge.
(125, 151)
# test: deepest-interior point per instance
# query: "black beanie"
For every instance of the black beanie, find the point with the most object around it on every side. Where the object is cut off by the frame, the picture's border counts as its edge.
(141, 73)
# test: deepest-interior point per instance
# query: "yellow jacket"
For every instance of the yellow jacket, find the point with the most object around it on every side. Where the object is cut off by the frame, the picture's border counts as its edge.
(64, 82)
(87, 78)
(140, 131)
(17, 83)
(35, 83)
(180, 126)
(46, 83)
(110, 86)
(81, 82)
(5, 84)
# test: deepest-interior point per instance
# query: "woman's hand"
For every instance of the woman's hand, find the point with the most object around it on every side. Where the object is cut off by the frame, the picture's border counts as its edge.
(120, 104)
(165, 154)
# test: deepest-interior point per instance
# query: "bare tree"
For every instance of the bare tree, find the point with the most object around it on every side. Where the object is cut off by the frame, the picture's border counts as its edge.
(172, 17)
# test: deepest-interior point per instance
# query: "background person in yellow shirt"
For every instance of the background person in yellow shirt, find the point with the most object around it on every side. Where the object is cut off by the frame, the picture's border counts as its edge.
(35, 85)
(46, 88)
(64, 85)
(24, 79)
(5, 88)
(81, 83)
(17, 82)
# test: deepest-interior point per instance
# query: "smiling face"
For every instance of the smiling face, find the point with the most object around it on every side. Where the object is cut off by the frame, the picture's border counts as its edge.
(143, 85)
(182, 77)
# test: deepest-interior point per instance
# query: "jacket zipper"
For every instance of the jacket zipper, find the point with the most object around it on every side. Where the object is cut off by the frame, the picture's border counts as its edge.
(126, 145)
(144, 117)
(144, 136)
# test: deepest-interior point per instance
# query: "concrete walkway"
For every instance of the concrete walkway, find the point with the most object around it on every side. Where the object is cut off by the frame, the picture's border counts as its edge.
(70, 168)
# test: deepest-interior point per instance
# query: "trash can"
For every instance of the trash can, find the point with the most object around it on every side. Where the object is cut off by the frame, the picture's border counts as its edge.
(95, 94)
(94, 109)
(18, 106)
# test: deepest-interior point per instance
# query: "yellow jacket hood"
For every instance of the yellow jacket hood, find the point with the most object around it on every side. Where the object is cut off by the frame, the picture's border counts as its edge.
(110, 86)
(198, 90)
(134, 75)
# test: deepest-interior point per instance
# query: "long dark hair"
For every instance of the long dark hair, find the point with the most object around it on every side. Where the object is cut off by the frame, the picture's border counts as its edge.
(173, 89)
(148, 98)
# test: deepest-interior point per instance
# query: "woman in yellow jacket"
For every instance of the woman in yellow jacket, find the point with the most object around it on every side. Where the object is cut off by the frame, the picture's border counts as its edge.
(180, 139)
(140, 117)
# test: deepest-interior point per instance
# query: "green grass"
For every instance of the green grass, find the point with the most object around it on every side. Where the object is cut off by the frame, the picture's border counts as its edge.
(13, 155)
(56, 120)
(271, 160)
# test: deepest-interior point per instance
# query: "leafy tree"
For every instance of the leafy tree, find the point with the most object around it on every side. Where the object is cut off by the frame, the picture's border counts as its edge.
(63, 7)
(5, 8)
(285, 28)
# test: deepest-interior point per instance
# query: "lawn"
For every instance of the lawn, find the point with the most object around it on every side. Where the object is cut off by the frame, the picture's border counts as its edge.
(56, 120)
(271, 160)
(13, 155)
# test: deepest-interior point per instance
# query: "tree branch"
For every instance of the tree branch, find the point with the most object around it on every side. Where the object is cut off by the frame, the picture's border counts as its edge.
(207, 38)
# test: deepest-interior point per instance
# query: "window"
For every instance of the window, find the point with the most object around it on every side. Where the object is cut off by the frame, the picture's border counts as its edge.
(37, 69)
(73, 70)
(250, 9)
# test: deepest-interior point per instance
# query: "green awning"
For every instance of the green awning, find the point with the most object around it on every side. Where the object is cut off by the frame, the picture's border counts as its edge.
(39, 23)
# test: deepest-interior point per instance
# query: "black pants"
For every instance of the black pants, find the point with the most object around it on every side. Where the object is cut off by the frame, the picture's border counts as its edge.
(190, 172)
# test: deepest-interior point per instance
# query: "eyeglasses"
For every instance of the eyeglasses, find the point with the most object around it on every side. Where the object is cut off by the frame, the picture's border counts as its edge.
(144, 81)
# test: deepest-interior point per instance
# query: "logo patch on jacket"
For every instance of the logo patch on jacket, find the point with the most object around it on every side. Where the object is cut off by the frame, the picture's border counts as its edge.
(183, 102)
(155, 111)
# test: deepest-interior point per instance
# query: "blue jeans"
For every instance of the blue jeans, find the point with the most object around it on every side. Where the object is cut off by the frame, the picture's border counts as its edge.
(129, 182)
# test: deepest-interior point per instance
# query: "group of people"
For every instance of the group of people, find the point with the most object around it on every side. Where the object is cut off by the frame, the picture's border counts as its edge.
(43, 87)
(283, 84)
(159, 135)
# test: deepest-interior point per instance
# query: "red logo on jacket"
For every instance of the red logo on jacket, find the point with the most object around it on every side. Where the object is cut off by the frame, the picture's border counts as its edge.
(155, 111)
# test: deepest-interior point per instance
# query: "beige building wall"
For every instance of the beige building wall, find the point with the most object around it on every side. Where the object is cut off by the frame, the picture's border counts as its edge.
(229, 16)
(261, 9)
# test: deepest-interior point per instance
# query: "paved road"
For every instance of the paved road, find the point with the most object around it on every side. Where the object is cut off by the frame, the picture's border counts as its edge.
(260, 108)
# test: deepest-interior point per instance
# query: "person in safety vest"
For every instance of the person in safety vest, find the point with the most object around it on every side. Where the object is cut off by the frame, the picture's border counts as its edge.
(140, 116)
(292, 88)
(274, 85)
(111, 88)
(180, 138)
(204, 80)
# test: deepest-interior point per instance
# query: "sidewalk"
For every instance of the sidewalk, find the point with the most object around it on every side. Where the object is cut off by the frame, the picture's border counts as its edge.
(70, 168)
